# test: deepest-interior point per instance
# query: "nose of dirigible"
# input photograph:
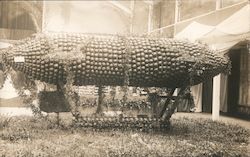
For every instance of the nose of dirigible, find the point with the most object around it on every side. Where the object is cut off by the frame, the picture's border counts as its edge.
(215, 63)
(206, 63)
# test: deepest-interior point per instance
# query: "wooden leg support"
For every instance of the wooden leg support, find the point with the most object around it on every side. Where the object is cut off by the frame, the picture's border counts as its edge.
(72, 98)
(70, 95)
(166, 103)
(169, 107)
(100, 100)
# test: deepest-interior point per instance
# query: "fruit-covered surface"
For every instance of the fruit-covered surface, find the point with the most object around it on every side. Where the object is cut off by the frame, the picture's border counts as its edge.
(115, 60)
(189, 137)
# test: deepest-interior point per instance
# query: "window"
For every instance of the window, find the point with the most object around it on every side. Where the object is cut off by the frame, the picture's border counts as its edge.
(19, 19)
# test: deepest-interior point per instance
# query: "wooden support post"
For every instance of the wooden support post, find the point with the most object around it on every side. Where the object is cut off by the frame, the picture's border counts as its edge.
(44, 25)
(216, 98)
(167, 102)
(70, 95)
(132, 6)
(125, 96)
(154, 100)
(218, 4)
(166, 114)
(100, 99)
(150, 17)
(177, 15)
(113, 93)
(58, 118)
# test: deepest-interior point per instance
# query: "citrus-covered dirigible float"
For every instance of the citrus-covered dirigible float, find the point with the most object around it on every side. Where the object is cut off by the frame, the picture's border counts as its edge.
(114, 60)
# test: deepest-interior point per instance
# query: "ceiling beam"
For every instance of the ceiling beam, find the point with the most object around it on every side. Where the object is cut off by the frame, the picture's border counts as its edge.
(152, 2)
(121, 7)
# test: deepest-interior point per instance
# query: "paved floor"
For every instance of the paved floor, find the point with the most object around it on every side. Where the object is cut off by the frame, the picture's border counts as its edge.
(226, 119)
(15, 111)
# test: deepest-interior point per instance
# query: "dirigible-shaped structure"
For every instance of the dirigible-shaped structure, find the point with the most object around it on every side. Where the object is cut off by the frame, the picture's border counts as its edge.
(115, 60)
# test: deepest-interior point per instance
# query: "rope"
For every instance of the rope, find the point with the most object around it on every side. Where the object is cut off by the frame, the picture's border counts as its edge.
(126, 63)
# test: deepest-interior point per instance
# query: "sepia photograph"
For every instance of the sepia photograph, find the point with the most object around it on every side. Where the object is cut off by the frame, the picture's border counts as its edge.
(125, 78)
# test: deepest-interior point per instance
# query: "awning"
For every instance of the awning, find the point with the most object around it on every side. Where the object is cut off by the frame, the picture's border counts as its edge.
(231, 31)
(225, 35)
(194, 31)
